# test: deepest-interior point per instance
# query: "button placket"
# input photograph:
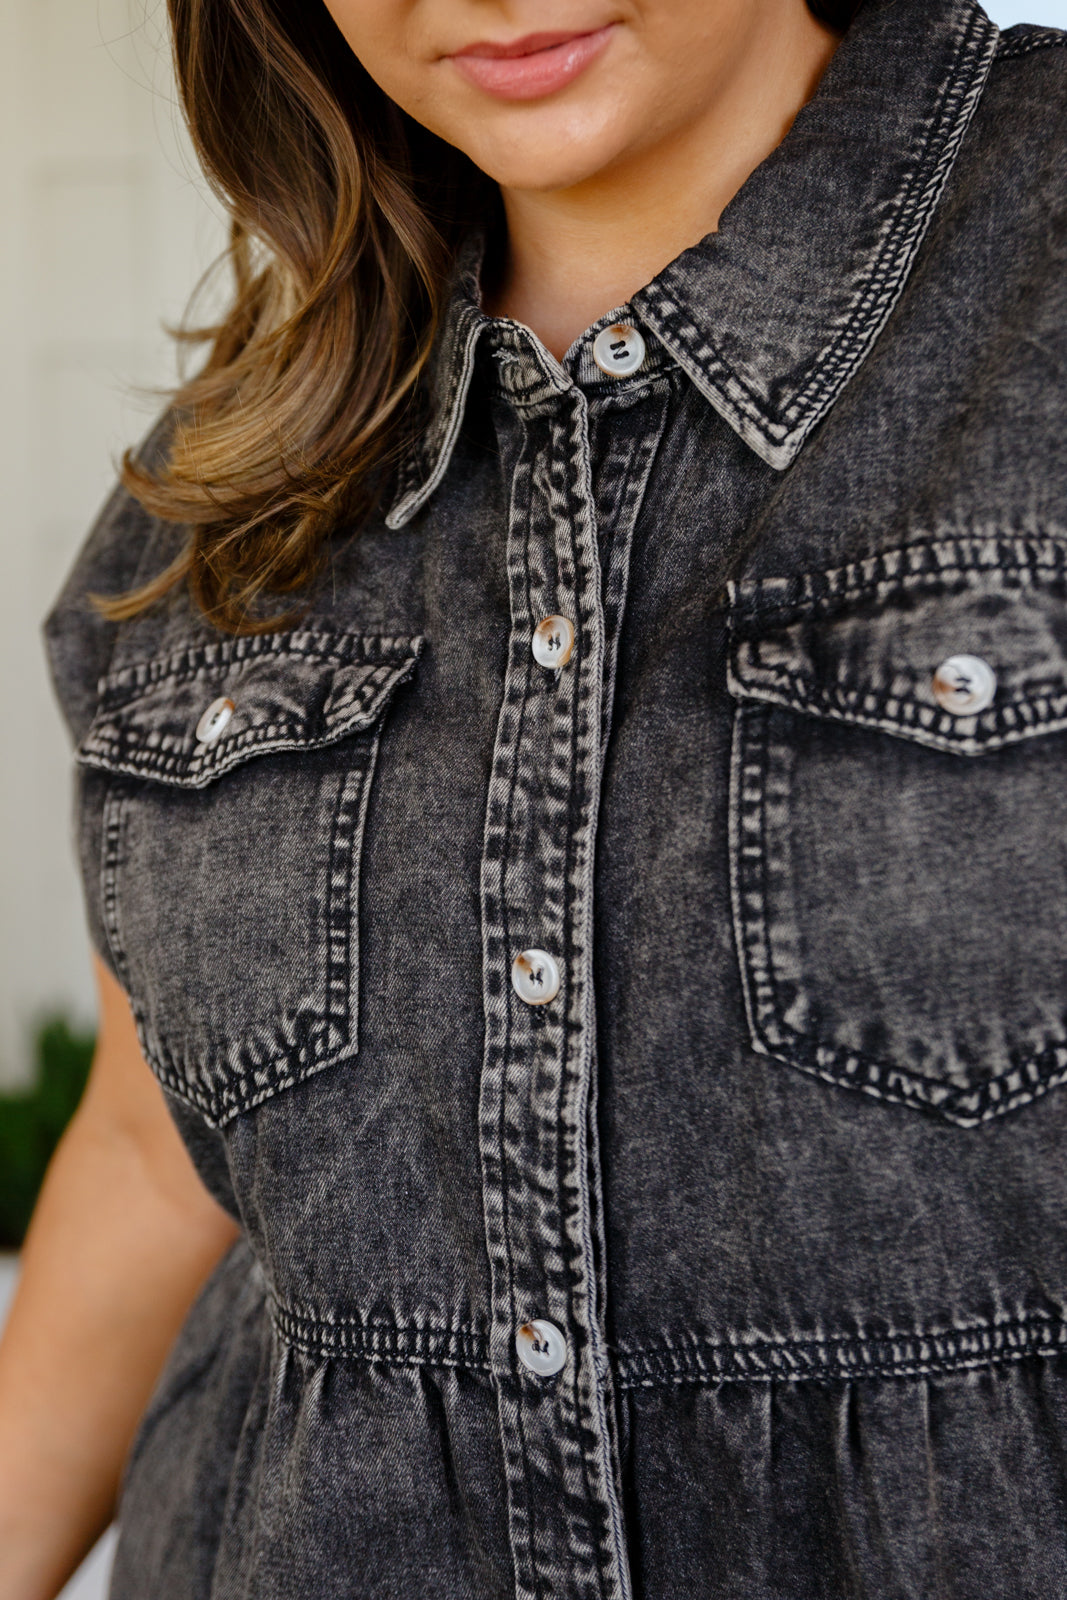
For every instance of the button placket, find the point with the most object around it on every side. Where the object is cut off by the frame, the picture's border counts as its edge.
(534, 1128)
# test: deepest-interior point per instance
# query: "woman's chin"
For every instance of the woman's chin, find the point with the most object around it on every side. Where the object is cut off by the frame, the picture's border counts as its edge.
(549, 162)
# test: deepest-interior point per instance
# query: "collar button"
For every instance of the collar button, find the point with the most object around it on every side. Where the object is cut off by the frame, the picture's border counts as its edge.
(619, 350)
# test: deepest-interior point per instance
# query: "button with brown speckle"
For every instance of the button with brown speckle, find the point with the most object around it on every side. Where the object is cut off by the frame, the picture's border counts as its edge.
(214, 720)
(542, 1348)
(553, 641)
(619, 350)
(535, 976)
(964, 685)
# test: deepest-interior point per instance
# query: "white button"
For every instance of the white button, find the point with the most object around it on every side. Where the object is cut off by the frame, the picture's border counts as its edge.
(964, 685)
(618, 350)
(542, 1348)
(553, 641)
(214, 720)
(535, 976)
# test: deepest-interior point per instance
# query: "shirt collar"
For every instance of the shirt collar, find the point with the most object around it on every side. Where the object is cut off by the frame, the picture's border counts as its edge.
(773, 314)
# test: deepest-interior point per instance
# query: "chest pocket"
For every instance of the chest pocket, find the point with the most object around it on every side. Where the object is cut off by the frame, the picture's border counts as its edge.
(237, 782)
(899, 822)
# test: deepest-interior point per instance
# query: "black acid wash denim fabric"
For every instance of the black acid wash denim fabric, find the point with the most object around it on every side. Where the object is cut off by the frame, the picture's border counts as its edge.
(779, 1174)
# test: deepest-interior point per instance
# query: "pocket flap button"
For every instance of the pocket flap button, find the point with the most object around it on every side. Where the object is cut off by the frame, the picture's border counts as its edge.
(542, 1348)
(553, 641)
(964, 685)
(214, 720)
(535, 976)
(618, 350)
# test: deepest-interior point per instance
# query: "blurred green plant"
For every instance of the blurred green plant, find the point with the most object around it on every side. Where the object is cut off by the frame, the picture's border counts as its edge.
(32, 1121)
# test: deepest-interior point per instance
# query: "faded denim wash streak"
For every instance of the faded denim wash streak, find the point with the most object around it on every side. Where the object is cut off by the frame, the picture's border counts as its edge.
(785, 1160)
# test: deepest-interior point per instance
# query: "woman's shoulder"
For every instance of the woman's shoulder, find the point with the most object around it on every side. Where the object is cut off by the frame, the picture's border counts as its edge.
(125, 545)
(1027, 38)
(1027, 93)
(1002, 218)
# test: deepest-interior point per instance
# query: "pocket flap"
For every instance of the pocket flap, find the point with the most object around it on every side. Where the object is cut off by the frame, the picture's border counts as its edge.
(863, 643)
(289, 691)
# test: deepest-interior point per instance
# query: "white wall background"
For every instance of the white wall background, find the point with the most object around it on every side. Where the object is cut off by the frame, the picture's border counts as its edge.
(1050, 13)
(103, 234)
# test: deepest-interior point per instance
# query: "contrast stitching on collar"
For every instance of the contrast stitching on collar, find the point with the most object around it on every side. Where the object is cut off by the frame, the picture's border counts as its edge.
(801, 326)
(1045, 39)
(413, 493)
(778, 438)
(429, 458)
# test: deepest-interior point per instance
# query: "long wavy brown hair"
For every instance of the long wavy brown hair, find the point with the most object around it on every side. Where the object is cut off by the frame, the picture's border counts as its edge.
(345, 217)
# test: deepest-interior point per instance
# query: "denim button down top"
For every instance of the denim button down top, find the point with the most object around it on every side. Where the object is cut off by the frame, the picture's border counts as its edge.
(640, 1074)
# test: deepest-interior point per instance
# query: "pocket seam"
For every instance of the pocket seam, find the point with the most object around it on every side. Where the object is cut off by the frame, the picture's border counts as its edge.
(961, 563)
(195, 662)
(773, 1036)
(335, 1033)
(114, 823)
(355, 713)
(994, 729)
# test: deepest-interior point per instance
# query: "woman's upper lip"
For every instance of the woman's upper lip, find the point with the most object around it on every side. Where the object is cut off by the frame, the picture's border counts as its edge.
(527, 46)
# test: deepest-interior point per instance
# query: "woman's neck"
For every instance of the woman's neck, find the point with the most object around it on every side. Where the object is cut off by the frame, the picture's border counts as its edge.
(574, 253)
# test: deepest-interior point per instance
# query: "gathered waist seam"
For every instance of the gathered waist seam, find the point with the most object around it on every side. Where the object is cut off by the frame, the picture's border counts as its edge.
(695, 1359)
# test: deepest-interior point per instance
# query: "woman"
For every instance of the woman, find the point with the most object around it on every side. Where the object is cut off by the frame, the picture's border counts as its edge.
(571, 799)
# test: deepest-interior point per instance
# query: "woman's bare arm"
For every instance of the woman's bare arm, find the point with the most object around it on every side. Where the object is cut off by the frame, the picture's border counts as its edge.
(123, 1235)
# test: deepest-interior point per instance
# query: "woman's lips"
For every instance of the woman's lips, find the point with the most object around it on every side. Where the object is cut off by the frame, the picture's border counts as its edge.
(531, 67)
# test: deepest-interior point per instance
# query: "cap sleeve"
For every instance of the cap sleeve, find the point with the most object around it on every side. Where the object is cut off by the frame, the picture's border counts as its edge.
(123, 545)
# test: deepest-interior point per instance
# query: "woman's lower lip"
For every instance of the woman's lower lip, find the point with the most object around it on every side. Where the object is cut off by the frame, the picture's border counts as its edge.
(539, 73)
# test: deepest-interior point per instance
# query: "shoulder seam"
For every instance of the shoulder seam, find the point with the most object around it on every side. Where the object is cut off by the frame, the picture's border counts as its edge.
(1046, 39)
